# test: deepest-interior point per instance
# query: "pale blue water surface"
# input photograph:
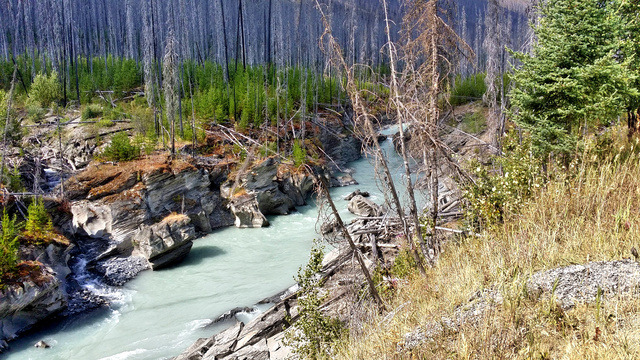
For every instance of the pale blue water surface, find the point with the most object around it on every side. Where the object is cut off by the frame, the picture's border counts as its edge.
(159, 314)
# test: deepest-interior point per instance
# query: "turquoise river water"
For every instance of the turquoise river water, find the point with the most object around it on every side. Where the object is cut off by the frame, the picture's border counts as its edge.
(159, 314)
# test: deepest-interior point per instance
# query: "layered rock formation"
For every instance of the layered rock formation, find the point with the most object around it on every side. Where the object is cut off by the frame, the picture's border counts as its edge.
(167, 242)
(33, 300)
(361, 206)
(266, 189)
(119, 203)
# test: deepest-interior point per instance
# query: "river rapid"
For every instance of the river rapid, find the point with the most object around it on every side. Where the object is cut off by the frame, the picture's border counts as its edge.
(159, 314)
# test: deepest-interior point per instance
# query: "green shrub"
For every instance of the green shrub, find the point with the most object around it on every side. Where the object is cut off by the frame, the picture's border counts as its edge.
(314, 332)
(269, 148)
(11, 179)
(105, 123)
(91, 111)
(404, 264)
(474, 123)
(14, 131)
(4, 98)
(468, 90)
(45, 89)
(146, 144)
(299, 153)
(120, 149)
(35, 112)
(38, 220)
(8, 244)
(495, 194)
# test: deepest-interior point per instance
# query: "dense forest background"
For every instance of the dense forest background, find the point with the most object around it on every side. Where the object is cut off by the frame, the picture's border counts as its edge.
(281, 32)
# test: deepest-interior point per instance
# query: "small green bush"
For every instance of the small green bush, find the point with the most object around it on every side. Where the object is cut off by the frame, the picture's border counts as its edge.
(11, 179)
(45, 89)
(468, 90)
(268, 149)
(38, 220)
(404, 264)
(14, 131)
(92, 111)
(299, 153)
(105, 123)
(120, 149)
(146, 144)
(8, 244)
(314, 332)
(495, 194)
(474, 123)
(35, 112)
(4, 98)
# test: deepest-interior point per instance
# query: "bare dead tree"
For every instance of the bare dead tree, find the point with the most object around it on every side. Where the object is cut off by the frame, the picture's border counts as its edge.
(7, 120)
(171, 83)
(397, 104)
(492, 44)
(364, 126)
(429, 43)
(324, 190)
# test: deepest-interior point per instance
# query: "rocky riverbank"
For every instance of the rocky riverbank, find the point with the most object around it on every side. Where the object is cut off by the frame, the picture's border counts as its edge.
(123, 218)
(264, 337)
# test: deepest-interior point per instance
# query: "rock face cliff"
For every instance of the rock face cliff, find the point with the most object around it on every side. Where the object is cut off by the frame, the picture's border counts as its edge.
(265, 190)
(34, 299)
(167, 242)
(124, 209)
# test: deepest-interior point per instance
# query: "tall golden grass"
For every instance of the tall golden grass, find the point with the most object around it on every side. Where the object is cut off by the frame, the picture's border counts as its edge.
(589, 212)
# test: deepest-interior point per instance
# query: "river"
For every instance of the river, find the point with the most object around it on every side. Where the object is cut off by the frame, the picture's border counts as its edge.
(159, 314)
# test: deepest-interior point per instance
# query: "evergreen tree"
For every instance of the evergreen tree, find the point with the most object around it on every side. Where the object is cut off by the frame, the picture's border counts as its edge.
(8, 244)
(630, 13)
(573, 78)
(38, 220)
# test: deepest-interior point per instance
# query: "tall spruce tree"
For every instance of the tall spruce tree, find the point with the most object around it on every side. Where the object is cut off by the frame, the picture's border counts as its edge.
(574, 77)
(630, 12)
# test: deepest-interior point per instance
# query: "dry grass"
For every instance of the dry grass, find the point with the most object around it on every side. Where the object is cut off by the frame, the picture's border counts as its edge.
(174, 217)
(592, 216)
(104, 179)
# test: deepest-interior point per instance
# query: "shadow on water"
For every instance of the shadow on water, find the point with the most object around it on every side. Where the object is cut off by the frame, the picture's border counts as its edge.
(49, 331)
(201, 253)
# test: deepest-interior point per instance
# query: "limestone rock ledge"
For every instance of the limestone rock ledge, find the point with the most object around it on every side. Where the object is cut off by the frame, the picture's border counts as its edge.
(268, 188)
(23, 305)
(165, 243)
(118, 210)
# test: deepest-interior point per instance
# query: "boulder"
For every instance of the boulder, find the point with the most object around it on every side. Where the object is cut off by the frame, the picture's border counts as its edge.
(262, 182)
(341, 148)
(247, 213)
(297, 186)
(258, 351)
(167, 242)
(42, 344)
(581, 283)
(344, 180)
(23, 305)
(272, 201)
(273, 194)
(224, 342)
(116, 222)
(361, 206)
(357, 192)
